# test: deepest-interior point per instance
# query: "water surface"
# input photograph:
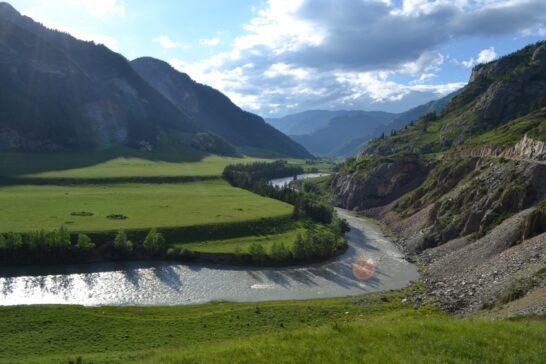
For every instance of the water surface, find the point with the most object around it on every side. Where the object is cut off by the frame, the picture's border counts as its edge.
(153, 283)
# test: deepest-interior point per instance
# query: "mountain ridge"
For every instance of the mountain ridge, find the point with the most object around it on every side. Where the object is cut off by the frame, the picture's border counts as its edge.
(214, 110)
(61, 93)
(465, 190)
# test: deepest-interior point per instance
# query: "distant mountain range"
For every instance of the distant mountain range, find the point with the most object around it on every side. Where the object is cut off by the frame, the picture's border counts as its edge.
(61, 93)
(342, 133)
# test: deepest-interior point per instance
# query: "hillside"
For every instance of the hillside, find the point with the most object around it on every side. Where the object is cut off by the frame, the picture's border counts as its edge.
(305, 122)
(342, 133)
(61, 93)
(465, 190)
(335, 133)
(213, 111)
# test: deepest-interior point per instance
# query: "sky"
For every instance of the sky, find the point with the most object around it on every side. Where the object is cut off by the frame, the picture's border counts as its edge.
(277, 57)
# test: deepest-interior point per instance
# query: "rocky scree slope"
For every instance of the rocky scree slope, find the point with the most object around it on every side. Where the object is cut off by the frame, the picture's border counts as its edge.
(465, 190)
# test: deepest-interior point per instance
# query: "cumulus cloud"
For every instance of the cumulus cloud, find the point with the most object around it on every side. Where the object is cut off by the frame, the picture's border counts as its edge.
(166, 42)
(348, 53)
(485, 56)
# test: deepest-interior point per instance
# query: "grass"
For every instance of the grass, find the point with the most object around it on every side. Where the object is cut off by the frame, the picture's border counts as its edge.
(242, 244)
(118, 167)
(124, 163)
(510, 134)
(28, 207)
(372, 328)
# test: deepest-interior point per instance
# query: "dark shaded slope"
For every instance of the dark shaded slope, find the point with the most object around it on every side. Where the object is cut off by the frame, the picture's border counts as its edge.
(57, 92)
(214, 111)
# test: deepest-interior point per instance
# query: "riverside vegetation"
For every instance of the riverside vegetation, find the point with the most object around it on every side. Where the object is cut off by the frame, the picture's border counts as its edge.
(88, 214)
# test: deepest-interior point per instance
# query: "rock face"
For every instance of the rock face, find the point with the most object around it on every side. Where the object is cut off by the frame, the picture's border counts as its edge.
(526, 149)
(529, 149)
(477, 213)
(382, 184)
(513, 88)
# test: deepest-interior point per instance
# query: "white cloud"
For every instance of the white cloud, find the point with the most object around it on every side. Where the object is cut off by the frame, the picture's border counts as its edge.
(354, 53)
(165, 42)
(211, 42)
(487, 55)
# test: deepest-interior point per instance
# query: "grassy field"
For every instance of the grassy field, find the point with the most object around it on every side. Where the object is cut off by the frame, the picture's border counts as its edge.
(60, 166)
(372, 328)
(27, 207)
(122, 163)
(242, 244)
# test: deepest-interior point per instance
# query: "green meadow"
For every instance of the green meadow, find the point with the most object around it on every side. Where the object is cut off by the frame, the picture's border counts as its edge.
(124, 189)
(367, 329)
(144, 206)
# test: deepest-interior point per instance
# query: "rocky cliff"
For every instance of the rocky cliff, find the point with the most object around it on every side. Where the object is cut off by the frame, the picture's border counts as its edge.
(469, 201)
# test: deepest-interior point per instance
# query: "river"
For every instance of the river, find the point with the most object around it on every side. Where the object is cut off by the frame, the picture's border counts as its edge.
(372, 263)
(281, 182)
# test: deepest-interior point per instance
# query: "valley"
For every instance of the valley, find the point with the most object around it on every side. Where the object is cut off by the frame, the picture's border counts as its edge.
(273, 182)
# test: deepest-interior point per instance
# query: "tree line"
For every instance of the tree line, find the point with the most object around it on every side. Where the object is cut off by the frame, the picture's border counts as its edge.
(308, 204)
(60, 246)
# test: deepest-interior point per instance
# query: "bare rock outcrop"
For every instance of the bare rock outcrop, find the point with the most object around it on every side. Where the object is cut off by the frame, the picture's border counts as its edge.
(381, 184)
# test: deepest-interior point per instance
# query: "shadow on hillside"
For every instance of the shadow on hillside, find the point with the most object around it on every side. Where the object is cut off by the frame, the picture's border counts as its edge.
(16, 164)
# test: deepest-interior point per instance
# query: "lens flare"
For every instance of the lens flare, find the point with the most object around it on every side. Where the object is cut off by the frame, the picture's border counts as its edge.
(363, 268)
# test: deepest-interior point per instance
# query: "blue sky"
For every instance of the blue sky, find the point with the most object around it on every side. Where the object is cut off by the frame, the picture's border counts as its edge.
(275, 57)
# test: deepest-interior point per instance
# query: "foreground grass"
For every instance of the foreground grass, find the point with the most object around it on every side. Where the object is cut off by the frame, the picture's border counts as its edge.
(372, 328)
(145, 205)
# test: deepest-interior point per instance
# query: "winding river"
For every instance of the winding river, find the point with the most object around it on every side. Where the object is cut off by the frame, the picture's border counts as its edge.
(371, 263)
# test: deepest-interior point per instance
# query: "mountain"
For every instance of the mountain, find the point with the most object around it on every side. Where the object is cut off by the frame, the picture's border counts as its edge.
(61, 93)
(214, 111)
(342, 133)
(347, 126)
(304, 122)
(465, 190)
(57, 92)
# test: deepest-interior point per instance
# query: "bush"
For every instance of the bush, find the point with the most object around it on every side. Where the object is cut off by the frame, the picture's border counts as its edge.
(58, 241)
(122, 244)
(280, 252)
(257, 252)
(84, 243)
(315, 244)
(517, 290)
(155, 243)
(14, 242)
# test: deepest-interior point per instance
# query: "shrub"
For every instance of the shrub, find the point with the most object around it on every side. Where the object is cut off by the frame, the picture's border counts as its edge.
(280, 252)
(302, 248)
(257, 252)
(116, 217)
(122, 244)
(14, 241)
(517, 290)
(155, 243)
(84, 243)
